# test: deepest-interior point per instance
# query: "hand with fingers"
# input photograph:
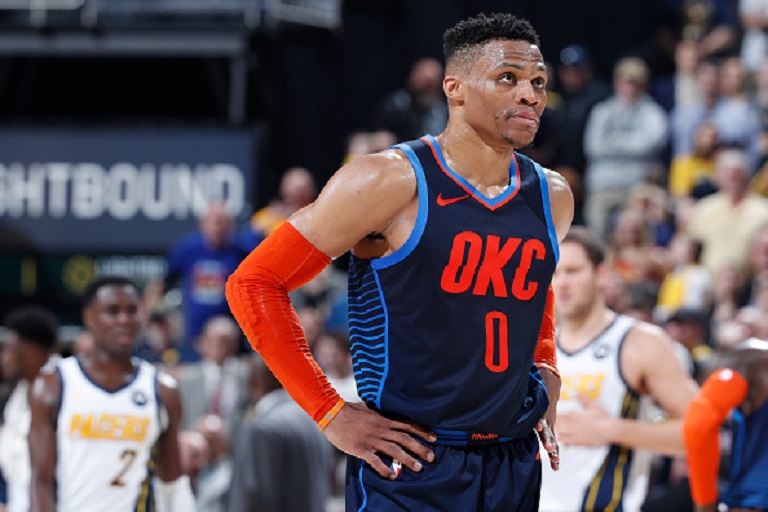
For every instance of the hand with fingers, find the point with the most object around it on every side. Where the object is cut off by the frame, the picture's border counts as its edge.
(546, 427)
(363, 433)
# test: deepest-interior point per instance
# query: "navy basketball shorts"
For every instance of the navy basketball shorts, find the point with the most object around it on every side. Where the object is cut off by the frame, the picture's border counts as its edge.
(498, 477)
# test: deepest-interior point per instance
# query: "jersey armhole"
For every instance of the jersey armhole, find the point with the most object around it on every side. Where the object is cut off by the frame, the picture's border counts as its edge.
(547, 207)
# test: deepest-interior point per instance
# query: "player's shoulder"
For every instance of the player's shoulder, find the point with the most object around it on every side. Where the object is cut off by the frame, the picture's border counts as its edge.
(388, 165)
(387, 173)
(647, 334)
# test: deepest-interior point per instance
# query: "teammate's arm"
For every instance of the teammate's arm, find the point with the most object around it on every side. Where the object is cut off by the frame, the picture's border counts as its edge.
(173, 490)
(43, 402)
(372, 195)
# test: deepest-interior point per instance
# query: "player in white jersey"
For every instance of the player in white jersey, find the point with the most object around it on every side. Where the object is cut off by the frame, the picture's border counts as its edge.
(104, 424)
(611, 366)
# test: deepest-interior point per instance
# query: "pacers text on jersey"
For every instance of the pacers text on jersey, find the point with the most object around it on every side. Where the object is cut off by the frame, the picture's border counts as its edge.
(111, 427)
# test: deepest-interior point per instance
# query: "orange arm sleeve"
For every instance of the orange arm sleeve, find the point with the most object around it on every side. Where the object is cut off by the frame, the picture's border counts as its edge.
(257, 293)
(546, 354)
(721, 392)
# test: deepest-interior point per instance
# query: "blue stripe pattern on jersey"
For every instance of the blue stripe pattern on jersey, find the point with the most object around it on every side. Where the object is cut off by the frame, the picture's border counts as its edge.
(367, 331)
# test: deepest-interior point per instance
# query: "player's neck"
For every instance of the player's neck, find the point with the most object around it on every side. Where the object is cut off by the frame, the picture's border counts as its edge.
(578, 332)
(484, 166)
(108, 370)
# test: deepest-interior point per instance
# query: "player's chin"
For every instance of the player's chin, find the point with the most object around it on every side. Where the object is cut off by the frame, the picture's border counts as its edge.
(520, 140)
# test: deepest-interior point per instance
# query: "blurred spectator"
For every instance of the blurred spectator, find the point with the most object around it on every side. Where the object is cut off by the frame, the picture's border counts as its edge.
(641, 299)
(297, 190)
(417, 109)
(202, 261)
(754, 42)
(580, 91)
(757, 265)
(681, 87)
(688, 284)
(726, 221)
(686, 119)
(711, 23)
(690, 328)
(327, 293)
(333, 355)
(280, 439)
(726, 283)
(193, 454)
(217, 384)
(735, 117)
(30, 341)
(364, 143)
(213, 480)
(162, 337)
(624, 139)
(311, 320)
(653, 203)
(697, 168)
(631, 252)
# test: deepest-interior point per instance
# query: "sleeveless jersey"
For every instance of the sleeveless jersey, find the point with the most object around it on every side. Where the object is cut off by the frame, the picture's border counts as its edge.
(443, 330)
(599, 478)
(748, 480)
(104, 441)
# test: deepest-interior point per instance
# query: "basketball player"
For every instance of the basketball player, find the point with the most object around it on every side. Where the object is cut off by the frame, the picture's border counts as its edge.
(739, 386)
(611, 365)
(104, 423)
(454, 242)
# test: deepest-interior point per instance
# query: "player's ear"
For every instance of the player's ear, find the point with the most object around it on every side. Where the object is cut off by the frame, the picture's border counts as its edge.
(453, 87)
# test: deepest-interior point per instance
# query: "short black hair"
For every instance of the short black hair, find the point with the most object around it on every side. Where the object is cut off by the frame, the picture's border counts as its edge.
(481, 28)
(34, 324)
(100, 282)
(589, 242)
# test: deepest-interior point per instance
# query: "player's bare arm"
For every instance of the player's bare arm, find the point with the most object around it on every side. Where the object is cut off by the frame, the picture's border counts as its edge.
(369, 206)
(174, 493)
(43, 400)
(168, 460)
(369, 196)
(650, 366)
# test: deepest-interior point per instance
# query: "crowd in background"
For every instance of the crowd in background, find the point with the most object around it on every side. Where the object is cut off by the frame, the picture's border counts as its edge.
(670, 170)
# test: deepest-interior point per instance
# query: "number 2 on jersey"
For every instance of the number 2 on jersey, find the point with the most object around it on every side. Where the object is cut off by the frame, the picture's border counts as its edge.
(496, 341)
(128, 456)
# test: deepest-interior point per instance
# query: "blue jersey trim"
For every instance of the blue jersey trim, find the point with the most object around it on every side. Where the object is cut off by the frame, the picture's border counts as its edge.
(740, 425)
(386, 339)
(547, 204)
(421, 217)
(61, 392)
(513, 188)
(362, 488)
(137, 366)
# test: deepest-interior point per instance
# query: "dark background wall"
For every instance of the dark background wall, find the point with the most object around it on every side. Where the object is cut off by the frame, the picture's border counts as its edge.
(308, 87)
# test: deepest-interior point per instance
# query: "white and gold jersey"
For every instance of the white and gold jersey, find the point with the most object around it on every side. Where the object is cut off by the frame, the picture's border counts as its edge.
(105, 440)
(602, 477)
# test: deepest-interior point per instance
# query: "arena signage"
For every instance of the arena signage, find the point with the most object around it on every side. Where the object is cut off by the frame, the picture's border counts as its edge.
(118, 190)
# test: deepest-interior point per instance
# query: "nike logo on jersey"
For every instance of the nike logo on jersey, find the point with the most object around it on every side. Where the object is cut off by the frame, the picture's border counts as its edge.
(445, 201)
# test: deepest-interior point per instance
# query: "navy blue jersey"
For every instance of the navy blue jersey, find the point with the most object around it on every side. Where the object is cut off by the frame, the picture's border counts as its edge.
(748, 481)
(444, 329)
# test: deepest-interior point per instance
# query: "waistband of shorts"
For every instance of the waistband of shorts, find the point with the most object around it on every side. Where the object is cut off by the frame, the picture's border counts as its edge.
(463, 438)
